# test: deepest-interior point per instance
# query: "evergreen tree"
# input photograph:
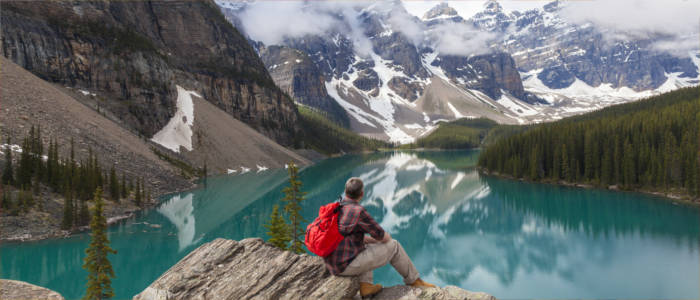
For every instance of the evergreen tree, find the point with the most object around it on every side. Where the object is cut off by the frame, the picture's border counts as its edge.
(67, 221)
(83, 213)
(100, 272)
(293, 197)
(5, 204)
(650, 144)
(8, 172)
(123, 191)
(278, 230)
(137, 195)
(24, 173)
(113, 184)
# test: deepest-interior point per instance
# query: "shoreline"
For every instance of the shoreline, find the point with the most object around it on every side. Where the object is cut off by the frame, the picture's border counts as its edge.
(57, 233)
(673, 198)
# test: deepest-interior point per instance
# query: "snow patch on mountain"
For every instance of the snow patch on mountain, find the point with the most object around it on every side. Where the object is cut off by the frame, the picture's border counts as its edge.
(178, 132)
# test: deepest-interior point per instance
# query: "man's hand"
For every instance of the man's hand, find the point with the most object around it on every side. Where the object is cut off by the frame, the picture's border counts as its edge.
(369, 240)
(386, 238)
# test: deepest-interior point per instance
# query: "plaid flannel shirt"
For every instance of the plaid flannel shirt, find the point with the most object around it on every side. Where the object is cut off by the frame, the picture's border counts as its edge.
(353, 223)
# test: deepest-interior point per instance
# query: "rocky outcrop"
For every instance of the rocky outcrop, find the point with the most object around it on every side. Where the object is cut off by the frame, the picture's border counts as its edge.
(252, 269)
(541, 39)
(298, 76)
(402, 292)
(20, 290)
(489, 73)
(133, 53)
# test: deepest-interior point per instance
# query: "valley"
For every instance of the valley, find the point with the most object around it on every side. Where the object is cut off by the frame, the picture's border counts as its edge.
(526, 149)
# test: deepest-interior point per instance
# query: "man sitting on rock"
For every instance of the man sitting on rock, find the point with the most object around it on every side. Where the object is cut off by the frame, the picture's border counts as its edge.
(359, 254)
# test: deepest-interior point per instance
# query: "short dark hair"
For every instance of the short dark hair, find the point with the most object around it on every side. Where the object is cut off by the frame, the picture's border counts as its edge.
(353, 188)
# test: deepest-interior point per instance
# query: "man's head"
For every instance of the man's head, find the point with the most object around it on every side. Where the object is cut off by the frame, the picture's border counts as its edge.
(354, 188)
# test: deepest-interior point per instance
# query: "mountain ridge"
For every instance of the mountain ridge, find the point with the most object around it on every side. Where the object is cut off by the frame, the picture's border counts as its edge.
(379, 70)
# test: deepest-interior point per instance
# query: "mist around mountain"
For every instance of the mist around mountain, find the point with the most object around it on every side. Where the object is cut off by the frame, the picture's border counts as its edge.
(396, 75)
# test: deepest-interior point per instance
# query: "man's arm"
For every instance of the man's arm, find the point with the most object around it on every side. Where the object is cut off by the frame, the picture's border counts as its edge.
(370, 226)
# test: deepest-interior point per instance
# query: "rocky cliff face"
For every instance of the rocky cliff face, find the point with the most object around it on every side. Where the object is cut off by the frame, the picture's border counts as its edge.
(252, 269)
(298, 76)
(132, 54)
(559, 52)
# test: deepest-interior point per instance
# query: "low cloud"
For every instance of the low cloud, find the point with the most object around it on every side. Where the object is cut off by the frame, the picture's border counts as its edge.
(676, 21)
(272, 21)
(408, 25)
(461, 39)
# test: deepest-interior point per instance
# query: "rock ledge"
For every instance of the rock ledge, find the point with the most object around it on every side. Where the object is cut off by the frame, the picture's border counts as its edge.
(252, 269)
(13, 289)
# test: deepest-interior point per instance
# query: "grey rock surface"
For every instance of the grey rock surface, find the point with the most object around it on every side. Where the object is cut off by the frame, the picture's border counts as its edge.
(253, 269)
(249, 269)
(402, 292)
(15, 290)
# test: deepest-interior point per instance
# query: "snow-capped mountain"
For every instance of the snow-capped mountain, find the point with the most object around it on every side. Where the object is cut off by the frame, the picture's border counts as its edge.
(575, 67)
(391, 75)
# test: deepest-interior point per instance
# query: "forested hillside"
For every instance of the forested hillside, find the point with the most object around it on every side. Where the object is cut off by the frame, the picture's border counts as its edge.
(327, 137)
(460, 134)
(649, 145)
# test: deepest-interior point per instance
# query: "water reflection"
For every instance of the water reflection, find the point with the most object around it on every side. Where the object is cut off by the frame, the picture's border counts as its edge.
(509, 238)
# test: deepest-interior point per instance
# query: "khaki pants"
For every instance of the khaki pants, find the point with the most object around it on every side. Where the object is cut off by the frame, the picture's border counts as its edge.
(379, 254)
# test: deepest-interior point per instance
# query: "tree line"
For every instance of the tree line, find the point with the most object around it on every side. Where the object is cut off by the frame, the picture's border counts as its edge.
(76, 180)
(458, 134)
(328, 137)
(651, 145)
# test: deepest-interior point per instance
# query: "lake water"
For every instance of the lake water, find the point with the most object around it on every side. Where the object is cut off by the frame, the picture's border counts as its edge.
(508, 238)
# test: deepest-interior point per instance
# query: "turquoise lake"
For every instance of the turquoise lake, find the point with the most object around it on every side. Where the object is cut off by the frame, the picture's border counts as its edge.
(508, 238)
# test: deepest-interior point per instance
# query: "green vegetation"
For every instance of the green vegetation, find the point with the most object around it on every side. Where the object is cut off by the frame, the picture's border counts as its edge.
(278, 230)
(293, 196)
(186, 170)
(99, 285)
(648, 145)
(8, 173)
(459, 134)
(324, 136)
(282, 233)
(76, 181)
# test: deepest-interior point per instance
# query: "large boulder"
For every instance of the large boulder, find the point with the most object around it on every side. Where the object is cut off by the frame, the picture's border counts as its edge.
(249, 269)
(253, 269)
(16, 290)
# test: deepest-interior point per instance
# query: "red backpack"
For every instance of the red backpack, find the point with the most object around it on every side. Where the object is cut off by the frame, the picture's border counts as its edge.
(322, 235)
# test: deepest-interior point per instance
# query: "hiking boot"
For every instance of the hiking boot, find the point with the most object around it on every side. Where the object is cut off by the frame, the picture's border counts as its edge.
(419, 283)
(368, 289)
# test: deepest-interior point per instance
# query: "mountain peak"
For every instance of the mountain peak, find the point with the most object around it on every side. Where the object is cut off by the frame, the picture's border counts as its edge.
(442, 9)
(493, 7)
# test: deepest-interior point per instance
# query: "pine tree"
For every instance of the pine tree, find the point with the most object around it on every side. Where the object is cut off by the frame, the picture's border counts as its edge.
(67, 221)
(293, 197)
(24, 173)
(5, 204)
(137, 195)
(565, 171)
(113, 184)
(83, 213)
(123, 191)
(99, 285)
(278, 230)
(8, 172)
